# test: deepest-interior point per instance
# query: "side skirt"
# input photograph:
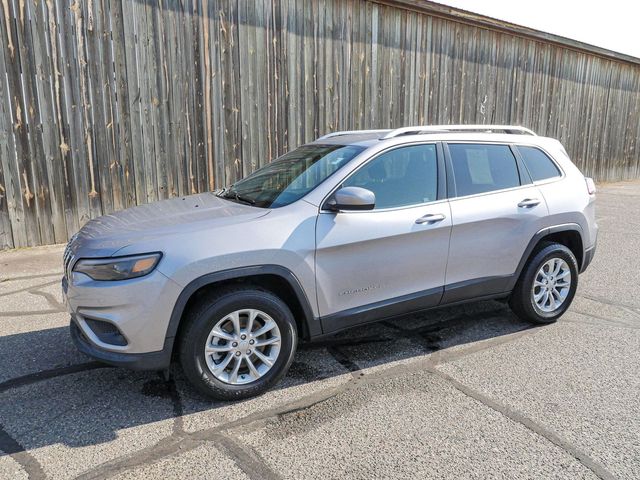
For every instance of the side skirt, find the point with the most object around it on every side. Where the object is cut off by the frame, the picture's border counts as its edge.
(454, 294)
(373, 312)
(478, 287)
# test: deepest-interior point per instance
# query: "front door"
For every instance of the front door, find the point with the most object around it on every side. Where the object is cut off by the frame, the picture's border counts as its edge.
(392, 259)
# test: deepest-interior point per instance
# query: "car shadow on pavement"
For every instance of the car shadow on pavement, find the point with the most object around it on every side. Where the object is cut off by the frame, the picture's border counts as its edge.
(57, 396)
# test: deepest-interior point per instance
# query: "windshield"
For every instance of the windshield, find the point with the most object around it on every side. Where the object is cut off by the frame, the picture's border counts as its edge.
(291, 176)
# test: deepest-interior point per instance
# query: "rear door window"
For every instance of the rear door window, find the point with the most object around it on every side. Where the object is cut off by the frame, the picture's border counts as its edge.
(479, 168)
(540, 166)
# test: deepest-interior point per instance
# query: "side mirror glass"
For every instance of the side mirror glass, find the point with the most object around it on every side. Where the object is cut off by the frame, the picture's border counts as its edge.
(351, 198)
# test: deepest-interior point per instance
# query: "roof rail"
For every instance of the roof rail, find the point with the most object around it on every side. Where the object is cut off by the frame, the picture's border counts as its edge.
(351, 132)
(511, 129)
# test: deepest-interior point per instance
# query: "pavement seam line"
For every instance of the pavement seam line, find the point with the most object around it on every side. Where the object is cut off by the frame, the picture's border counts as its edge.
(180, 442)
(633, 309)
(29, 313)
(343, 359)
(26, 289)
(596, 468)
(51, 299)
(174, 444)
(20, 455)
(245, 458)
(446, 356)
(29, 277)
(171, 445)
(603, 323)
(49, 374)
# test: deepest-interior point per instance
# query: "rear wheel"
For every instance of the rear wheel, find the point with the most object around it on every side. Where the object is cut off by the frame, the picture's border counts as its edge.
(238, 343)
(547, 285)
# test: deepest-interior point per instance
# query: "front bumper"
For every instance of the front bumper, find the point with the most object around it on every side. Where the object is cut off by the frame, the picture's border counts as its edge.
(122, 319)
(134, 361)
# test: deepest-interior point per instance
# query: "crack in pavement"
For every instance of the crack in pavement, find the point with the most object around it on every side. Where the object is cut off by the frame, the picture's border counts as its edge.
(11, 446)
(51, 299)
(184, 442)
(598, 469)
(445, 356)
(343, 359)
(48, 374)
(603, 322)
(29, 313)
(250, 462)
(15, 450)
(26, 289)
(345, 342)
(633, 309)
(245, 457)
(178, 409)
(56, 307)
(29, 277)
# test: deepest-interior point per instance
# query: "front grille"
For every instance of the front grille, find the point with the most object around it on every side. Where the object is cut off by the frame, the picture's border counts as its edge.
(106, 332)
(68, 259)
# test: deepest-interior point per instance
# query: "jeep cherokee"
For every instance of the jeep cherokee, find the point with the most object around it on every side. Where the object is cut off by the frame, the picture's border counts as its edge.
(352, 228)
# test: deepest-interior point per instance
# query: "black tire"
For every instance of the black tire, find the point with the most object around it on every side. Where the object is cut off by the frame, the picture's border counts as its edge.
(522, 302)
(204, 316)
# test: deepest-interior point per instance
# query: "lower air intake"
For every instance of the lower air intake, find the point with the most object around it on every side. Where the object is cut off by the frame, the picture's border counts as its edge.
(106, 332)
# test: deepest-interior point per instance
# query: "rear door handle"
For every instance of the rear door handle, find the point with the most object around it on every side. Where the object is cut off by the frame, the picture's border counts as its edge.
(431, 218)
(529, 203)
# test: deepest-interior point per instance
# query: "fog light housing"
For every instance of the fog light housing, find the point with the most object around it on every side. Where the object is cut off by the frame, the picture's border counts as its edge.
(107, 332)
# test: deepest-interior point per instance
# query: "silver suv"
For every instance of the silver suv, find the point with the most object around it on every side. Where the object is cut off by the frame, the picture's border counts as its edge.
(352, 228)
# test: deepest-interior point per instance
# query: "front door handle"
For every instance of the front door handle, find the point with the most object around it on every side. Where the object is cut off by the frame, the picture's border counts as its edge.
(430, 218)
(529, 203)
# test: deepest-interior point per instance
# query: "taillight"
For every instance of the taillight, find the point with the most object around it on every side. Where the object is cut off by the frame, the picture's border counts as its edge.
(591, 185)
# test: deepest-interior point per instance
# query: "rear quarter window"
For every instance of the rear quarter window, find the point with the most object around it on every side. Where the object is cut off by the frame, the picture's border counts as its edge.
(540, 166)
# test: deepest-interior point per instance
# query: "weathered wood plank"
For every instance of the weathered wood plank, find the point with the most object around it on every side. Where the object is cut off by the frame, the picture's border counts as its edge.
(12, 196)
(19, 101)
(46, 82)
(7, 190)
(97, 93)
(123, 103)
(72, 105)
(107, 104)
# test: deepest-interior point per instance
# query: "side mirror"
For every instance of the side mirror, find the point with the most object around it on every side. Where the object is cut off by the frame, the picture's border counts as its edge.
(351, 198)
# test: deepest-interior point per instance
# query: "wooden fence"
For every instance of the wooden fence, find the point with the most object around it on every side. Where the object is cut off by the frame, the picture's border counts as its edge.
(107, 104)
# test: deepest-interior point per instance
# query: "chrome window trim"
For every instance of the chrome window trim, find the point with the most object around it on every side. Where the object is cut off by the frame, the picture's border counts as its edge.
(390, 209)
(492, 192)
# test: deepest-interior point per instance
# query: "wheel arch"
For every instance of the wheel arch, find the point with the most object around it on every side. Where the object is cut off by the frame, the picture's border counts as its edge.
(569, 234)
(274, 278)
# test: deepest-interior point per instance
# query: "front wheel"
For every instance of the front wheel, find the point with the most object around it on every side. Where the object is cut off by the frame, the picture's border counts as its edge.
(547, 285)
(238, 343)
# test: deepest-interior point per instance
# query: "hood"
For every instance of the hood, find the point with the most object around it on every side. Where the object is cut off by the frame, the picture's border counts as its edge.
(104, 236)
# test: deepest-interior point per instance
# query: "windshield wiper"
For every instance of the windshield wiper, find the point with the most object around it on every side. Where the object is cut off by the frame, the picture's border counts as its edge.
(230, 194)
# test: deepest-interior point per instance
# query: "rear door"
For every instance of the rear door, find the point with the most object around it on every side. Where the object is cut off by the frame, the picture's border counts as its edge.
(495, 210)
(371, 264)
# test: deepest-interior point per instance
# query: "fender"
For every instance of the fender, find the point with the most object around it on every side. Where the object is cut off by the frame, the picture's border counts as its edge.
(310, 326)
(565, 227)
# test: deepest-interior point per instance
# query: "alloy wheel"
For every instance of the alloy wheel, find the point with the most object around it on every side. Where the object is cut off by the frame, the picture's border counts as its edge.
(551, 285)
(243, 346)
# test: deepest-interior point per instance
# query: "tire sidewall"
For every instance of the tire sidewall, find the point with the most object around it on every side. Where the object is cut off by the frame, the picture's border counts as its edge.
(212, 314)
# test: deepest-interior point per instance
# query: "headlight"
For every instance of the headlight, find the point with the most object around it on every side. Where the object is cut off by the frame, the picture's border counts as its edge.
(118, 268)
